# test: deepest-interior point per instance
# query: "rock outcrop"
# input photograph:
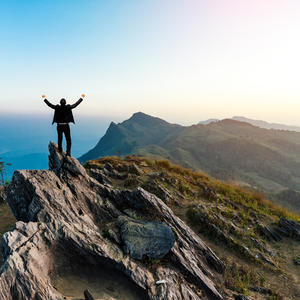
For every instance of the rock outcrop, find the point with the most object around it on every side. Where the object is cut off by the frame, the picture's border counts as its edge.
(145, 239)
(291, 228)
(64, 212)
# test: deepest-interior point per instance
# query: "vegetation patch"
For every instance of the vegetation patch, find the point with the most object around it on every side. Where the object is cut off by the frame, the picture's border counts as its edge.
(224, 214)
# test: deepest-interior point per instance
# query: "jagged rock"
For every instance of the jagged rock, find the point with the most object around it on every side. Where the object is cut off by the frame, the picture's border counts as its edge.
(99, 176)
(58, 162)
(261, 246)
(145, 239)
(134, 169)
(114, 174)
(62, 212)
(108, 166)
(88, 295)
(114, 236)
(260, 289)
(122, 168)
(269, 233)
(265, 259)
(281, 231)
(291, 227)
(160, 191)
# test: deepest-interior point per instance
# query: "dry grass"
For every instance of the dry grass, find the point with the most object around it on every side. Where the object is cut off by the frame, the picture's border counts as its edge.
(190, 179)
(196, 196)
(7, 221)
(251, 200)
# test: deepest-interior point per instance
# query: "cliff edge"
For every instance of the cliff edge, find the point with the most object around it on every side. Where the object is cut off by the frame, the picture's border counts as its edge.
(67, 218)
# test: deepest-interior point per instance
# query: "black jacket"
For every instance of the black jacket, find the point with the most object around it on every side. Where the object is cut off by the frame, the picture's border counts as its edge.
(63, 113)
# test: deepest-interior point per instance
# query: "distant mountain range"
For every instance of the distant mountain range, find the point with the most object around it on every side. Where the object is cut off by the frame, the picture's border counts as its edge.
(209, 121)
(265, 159)
(258, 123)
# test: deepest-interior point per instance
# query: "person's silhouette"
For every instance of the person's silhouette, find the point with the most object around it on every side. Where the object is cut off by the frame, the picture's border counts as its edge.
(63, 116)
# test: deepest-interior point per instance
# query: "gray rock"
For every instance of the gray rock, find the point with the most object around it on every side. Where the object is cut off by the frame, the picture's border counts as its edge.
(265, 259)
(64, 208)
(159, 190)
(134, 169)
(269, 233)
(261, 246)
(88, 295)
(145, 239)
(58, 162)
(115, 174)
(291, 227)
(108, 166)
(261, 289)
(99, 176)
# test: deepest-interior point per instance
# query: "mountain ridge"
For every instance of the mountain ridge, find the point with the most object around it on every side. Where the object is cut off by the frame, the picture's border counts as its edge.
(258, 123)
(265, 159)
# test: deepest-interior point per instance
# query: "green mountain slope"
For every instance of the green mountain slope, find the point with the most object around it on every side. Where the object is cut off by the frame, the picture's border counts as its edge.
(245, 230)
(266, 159)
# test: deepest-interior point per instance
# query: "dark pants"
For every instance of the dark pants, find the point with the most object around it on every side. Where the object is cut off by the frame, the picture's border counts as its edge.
(64, 129)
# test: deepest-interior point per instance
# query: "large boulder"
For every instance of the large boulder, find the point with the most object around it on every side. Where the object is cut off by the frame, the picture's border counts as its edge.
(145, 239)
(63, 216)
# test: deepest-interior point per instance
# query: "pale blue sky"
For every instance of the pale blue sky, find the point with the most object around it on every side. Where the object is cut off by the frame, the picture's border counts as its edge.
(180, 60)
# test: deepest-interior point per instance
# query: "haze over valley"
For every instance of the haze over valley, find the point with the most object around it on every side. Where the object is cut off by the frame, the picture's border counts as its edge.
(24, 139)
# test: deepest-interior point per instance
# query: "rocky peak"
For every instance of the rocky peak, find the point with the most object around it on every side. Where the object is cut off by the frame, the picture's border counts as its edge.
(59, 163)
(68, 220)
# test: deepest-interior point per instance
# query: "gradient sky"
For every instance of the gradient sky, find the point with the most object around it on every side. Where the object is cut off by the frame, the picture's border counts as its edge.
(184, 61)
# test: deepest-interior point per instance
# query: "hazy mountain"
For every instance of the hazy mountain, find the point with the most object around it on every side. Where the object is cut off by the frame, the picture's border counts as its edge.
(206, 122)
(258, 123)
(139, 131)
(264, 124)
(228, 149)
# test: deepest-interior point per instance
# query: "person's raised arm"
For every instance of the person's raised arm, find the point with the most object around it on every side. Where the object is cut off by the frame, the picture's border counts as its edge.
(78, 102)
(47, 102)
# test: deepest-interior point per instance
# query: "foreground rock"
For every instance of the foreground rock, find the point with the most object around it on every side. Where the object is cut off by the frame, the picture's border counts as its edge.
(63, 212)
(145, 239)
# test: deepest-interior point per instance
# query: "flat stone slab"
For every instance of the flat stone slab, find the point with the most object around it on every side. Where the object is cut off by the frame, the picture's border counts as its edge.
(145, 239)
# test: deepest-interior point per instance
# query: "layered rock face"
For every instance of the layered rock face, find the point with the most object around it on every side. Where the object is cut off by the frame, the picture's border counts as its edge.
(64, 212)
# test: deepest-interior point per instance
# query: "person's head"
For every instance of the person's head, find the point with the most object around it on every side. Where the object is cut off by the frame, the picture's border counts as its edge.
(63, 101)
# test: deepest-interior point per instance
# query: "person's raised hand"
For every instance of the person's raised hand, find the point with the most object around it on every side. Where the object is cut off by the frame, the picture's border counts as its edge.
(82, 96)
(43, 96)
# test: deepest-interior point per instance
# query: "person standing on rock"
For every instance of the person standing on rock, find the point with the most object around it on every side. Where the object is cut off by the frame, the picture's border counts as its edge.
(63, 116)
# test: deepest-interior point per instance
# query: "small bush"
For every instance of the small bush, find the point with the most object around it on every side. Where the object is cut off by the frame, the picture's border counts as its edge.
(239, 277)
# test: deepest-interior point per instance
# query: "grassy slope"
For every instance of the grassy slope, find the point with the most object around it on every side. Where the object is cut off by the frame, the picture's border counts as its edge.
(194, 196)
(268, 160)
